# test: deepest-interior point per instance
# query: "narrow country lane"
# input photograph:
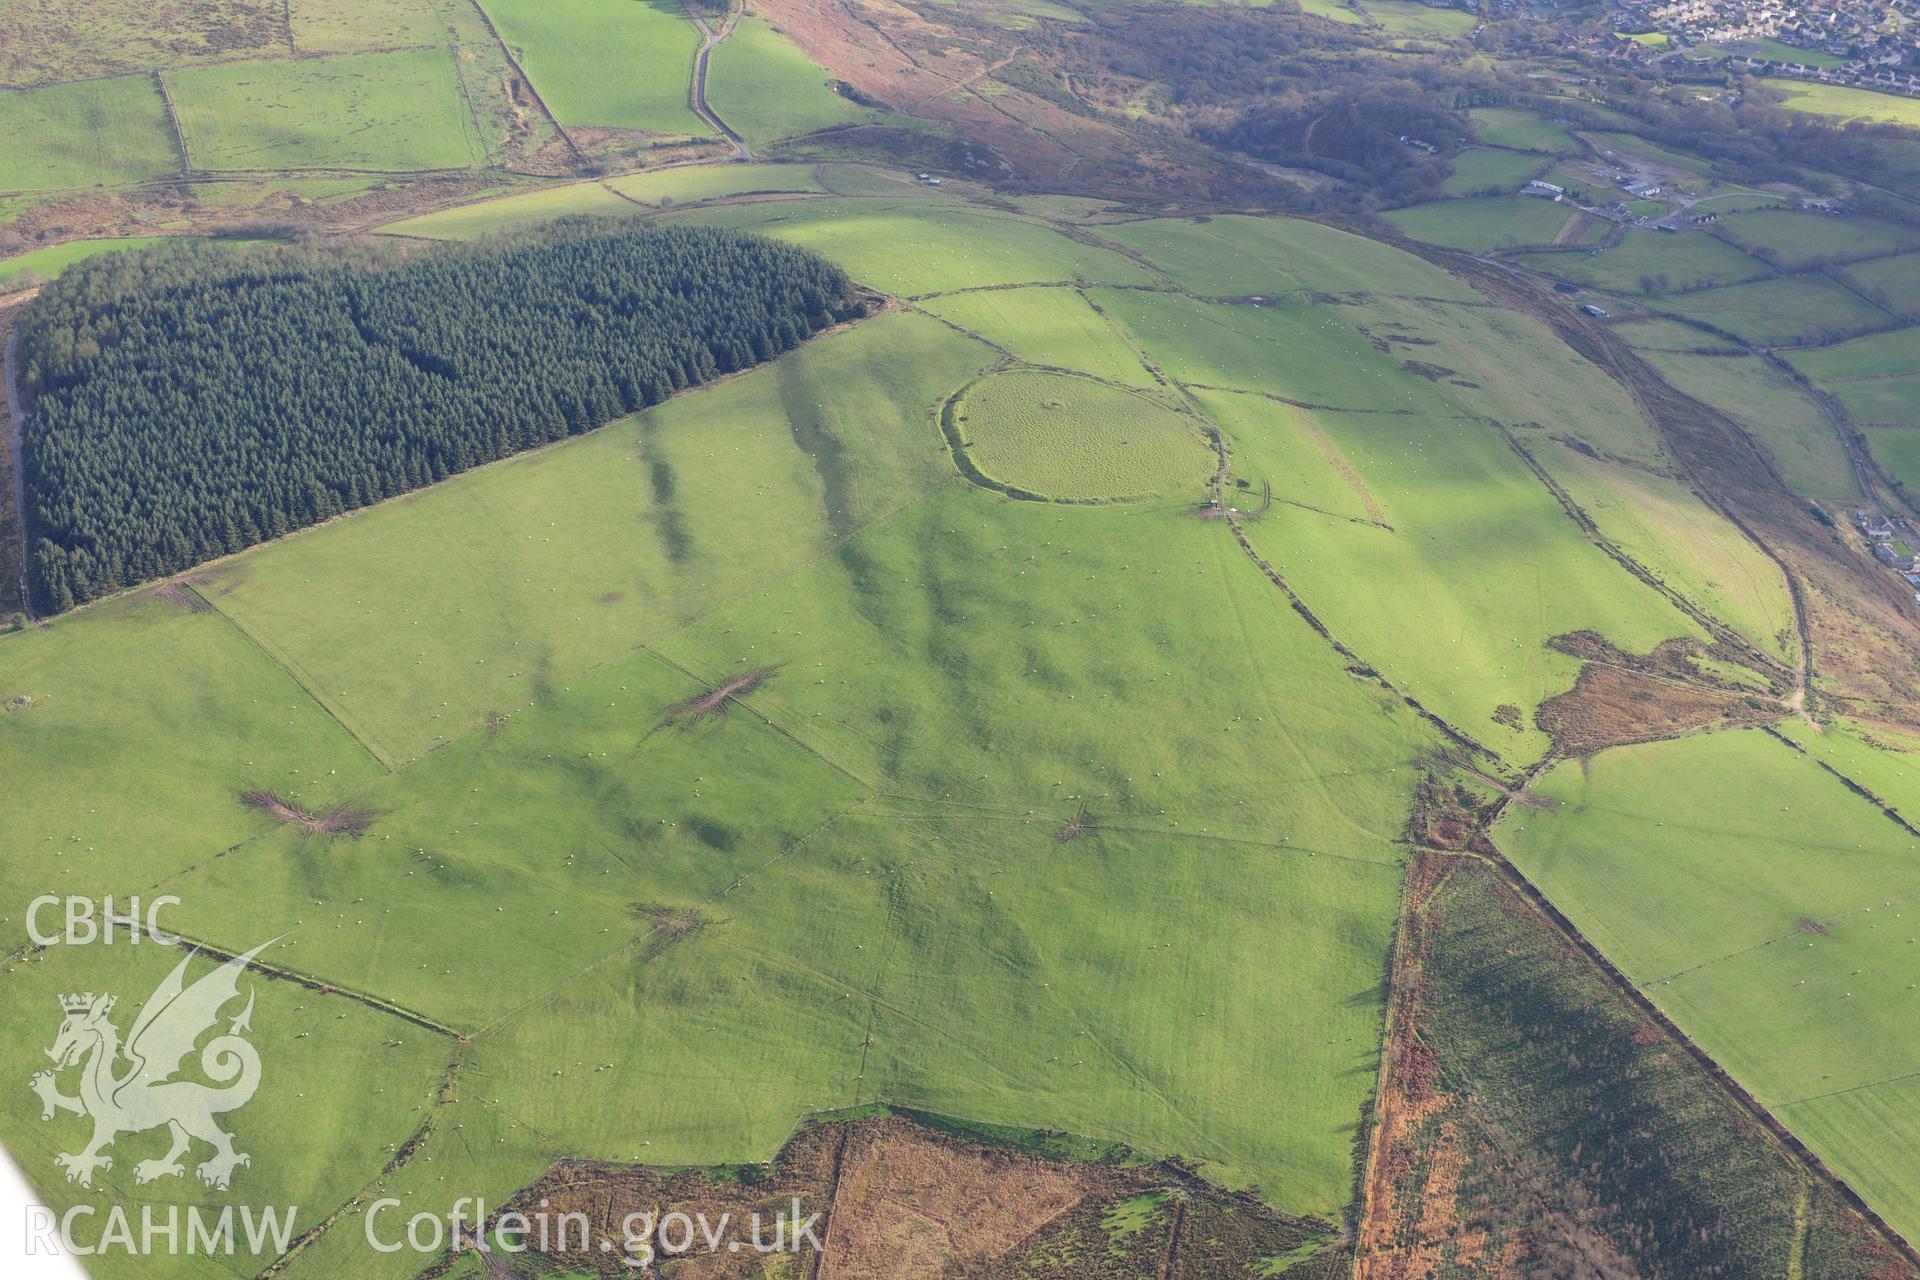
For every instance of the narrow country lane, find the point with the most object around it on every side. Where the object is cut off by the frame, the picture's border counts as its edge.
(709, 38)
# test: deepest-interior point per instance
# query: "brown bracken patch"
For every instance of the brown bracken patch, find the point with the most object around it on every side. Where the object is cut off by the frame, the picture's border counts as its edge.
(333, 822)
(1611, 706)
(712, 704)
(1445, 815)
(900, 1197)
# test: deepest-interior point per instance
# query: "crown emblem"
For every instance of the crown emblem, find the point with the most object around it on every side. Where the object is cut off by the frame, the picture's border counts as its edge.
(170, 1024)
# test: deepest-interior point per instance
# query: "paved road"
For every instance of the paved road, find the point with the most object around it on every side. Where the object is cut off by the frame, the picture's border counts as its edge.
(708, 39)
(16, 425)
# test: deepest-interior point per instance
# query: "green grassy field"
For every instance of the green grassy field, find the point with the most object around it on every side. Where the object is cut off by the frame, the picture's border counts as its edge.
(568, 46)
(1892, 282)
(1663, 334)
(1777, 411)
(1796, 239)
(1406, 17)
(575, 550)
(1852, 104)
(1486, 223)
(852, 178)
(1867, 1136)
(1062, 816)
(515, 212)
(1288, 448)
(1499, 364)
(934, 246)
(873, 836)
(1781, 52)
(1778, 312)
(1048, 663)
(345, 26)
(924, 937)
(1877, 356)
(1656, 262)
(342, 1087)
(1040, 814)
(714, 182)
(1076, 439)
(474, 1150)
(496, 861)
(1821, 1025)
(1301, 351)
(1577, 182)
(1470, 551)
(1522, 130)
(1234, 257)
(1630, 144)
(1725, 198)
(80, 135)
(1055, 327)
(1777, 934)
(1665, 526)
(1335, 10)
(380, 111)
(1879, 759)
(1669, 886)
(1886, 400)
(934, 943)
(765, 88)
(1899, 452)
(1869, 376)
(1386, 354)
(1027, 10)
(1480, 170)
(1542, 1056)
(88, 747)
(44, 264)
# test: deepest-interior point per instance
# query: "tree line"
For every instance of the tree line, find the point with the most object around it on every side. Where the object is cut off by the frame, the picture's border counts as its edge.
(187, 404)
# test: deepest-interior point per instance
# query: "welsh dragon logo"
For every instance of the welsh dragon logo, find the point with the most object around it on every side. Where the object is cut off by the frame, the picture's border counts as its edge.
(143, 1094)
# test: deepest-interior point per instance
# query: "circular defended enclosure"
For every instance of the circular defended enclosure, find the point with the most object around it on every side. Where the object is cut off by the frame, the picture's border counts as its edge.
(1075, 439)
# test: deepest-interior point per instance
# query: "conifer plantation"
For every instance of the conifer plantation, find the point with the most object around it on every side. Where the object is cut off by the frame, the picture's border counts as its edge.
(187, 404)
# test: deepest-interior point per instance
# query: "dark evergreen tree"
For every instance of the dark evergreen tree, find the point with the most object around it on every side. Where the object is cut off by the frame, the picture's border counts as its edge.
(186, 403)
